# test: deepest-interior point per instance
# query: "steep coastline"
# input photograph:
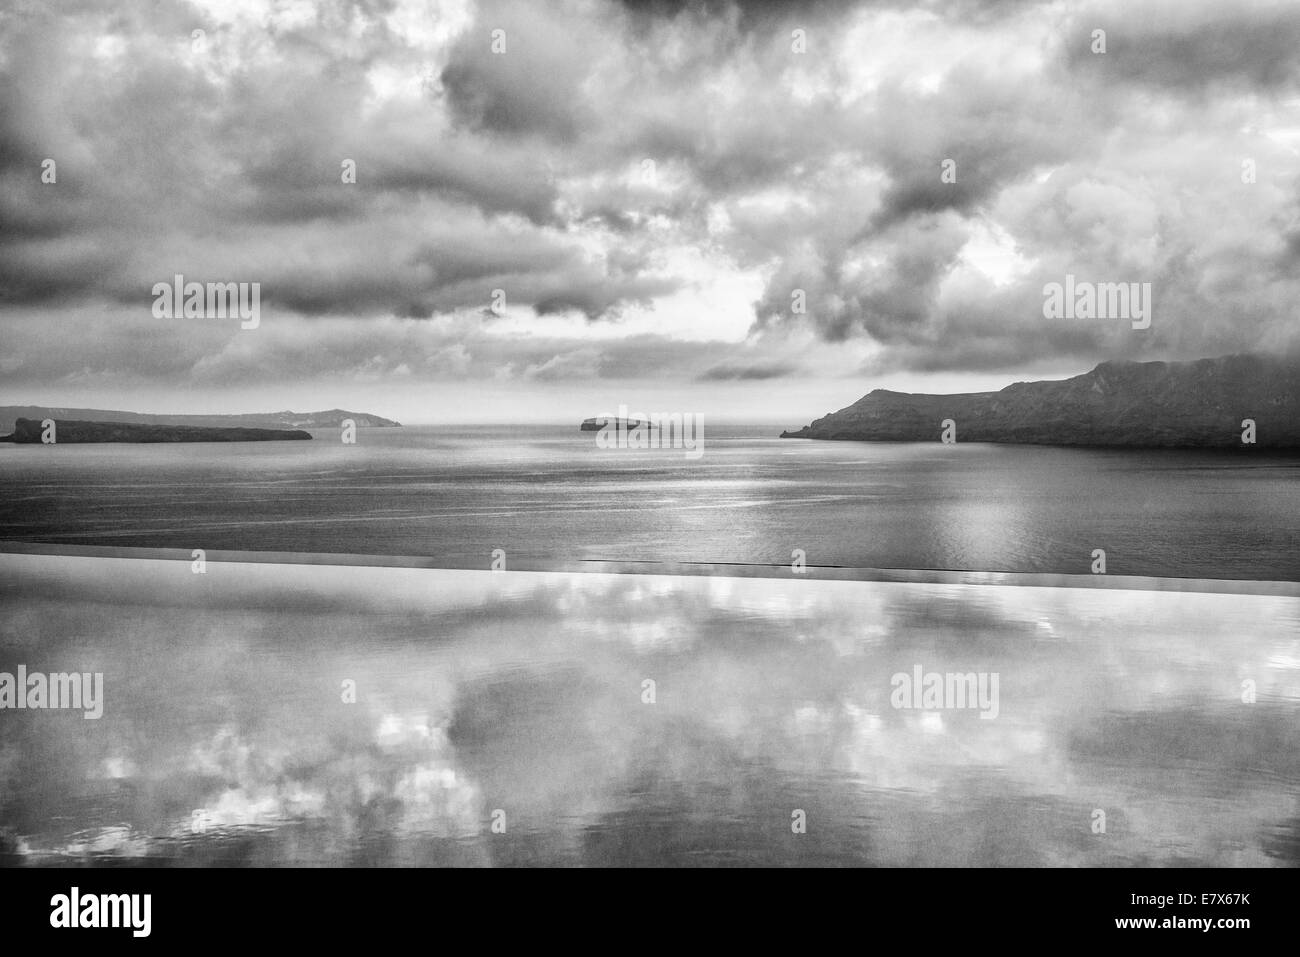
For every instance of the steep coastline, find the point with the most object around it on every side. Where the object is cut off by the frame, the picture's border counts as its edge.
(1197, 404)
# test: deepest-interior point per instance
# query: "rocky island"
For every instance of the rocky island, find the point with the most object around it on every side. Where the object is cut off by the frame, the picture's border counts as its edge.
(71, 432)
(1197, 404)
(330, 419)
(625, 425)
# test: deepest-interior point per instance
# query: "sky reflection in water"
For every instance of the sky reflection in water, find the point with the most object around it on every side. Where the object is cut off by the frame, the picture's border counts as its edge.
(523, 692)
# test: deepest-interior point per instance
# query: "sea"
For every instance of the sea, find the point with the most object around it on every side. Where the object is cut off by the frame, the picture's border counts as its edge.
(549, 494)
(294, 711)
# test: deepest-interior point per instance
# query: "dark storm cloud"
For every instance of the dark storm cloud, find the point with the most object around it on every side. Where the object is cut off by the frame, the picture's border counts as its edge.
(892, 301)
(54, 270)
(385, 350)
(756, 14)
(731, 372)
(748, 14)
(163, 168)
(533, 85)
(991, 130)
(495, 179)
(1249, 46)
(769, 172)
(595, 299)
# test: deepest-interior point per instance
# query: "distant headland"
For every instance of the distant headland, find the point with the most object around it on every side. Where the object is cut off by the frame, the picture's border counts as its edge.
(1240, 401)
(331, 419)
(74, 432)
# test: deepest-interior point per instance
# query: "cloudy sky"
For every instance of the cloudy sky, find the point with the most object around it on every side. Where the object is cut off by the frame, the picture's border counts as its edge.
(649, 186)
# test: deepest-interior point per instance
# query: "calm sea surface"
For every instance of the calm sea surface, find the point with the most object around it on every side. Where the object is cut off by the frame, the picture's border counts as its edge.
(550, 494)
(292, 714)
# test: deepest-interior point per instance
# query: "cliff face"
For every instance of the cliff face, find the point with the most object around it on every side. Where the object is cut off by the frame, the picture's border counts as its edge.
(1198, 404)
(330, 419)
(69, 432)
